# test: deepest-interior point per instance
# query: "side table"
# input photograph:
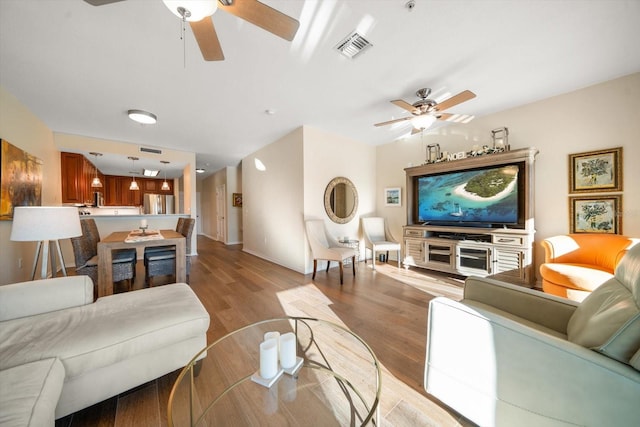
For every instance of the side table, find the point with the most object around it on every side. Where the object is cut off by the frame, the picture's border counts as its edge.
(351, 243)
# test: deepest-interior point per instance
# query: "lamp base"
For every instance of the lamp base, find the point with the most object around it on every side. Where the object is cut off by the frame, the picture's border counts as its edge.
(49, 249)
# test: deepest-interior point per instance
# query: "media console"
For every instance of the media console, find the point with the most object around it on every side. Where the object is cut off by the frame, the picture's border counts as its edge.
(504, 252)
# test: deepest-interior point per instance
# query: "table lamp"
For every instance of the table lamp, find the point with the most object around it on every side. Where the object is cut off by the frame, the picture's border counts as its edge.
(45, 225)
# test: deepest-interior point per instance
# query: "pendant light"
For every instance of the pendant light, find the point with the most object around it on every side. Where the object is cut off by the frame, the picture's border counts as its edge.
(134, 184)
(95, 183)
(165, 184)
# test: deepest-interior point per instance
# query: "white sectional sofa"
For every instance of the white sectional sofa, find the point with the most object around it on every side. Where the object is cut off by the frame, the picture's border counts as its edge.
(61, 352)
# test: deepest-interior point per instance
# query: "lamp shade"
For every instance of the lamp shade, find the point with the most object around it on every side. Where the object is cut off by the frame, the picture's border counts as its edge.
(37, 223)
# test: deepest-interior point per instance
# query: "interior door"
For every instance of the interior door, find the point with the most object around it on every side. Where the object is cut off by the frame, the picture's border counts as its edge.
(221, 208)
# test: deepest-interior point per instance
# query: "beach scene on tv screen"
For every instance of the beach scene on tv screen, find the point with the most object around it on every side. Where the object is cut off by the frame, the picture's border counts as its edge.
(488, 196)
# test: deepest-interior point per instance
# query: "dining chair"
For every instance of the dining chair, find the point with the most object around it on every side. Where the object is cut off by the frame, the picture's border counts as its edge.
(85, 251)
(154, 249)
(163, 263)
(377, 237)
(325, 247)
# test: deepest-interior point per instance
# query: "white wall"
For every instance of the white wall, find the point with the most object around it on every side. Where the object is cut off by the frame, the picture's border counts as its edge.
(24, 130)
(603, 116)
(272, 212)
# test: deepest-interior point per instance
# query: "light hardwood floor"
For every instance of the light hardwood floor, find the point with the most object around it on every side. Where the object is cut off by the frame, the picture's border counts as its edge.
(387, 308)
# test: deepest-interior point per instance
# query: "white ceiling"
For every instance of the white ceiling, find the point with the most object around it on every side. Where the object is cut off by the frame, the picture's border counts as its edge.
(79, 68)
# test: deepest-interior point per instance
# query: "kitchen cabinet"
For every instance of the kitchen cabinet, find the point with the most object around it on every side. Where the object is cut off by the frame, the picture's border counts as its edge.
(76, 175)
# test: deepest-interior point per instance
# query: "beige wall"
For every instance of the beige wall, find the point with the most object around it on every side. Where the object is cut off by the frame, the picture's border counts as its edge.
(327, 156)
(23, 129)
(291, 189)
(598, 117)
(272, 212)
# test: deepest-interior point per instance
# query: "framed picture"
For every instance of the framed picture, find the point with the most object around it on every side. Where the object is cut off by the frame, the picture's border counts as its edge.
(598, 214)
(392, 197)
(237, 200)
(596, 171)
(20, 179)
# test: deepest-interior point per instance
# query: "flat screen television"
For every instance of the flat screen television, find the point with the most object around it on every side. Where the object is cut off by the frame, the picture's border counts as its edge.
(489, 196)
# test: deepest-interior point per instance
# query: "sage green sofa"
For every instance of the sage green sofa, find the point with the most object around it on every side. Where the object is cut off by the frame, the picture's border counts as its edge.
(510, 356)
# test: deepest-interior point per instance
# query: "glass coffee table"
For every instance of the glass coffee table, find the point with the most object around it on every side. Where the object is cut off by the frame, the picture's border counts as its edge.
(338, 384)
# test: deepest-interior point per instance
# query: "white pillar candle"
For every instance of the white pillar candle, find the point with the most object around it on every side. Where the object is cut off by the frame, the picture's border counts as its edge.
(288, 350)
(269, 358)
(143, 223)
(276, 336)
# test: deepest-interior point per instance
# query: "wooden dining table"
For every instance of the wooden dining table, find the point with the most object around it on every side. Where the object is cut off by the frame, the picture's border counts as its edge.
(116, 240)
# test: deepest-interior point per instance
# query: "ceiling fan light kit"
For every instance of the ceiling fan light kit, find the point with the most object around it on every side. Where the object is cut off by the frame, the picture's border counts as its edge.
(192, 10)
(143, 117)
(423, 122)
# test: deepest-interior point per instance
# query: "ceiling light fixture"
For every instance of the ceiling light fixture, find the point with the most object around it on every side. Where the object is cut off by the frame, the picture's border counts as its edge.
(149, 172)
(95, 183)
(192, 10)
(199, 170)
(134, 184)
(423, 121)
(144, 117)
(165, 184)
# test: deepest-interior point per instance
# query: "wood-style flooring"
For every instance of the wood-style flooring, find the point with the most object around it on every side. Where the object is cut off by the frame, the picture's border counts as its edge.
(387, 308)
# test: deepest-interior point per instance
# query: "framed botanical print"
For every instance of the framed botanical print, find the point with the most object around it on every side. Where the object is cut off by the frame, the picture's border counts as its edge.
(596, 171)
(598, 214)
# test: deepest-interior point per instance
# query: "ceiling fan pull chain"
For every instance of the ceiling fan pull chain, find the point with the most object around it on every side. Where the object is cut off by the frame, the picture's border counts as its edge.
(184, 42)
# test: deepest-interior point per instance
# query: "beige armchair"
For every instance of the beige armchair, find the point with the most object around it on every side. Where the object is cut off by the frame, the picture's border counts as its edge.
(377, 237)
(326, 247)
(507, 355)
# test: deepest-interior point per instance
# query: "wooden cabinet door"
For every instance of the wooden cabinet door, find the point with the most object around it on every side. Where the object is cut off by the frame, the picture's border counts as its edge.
(111, 191)
(73, 188)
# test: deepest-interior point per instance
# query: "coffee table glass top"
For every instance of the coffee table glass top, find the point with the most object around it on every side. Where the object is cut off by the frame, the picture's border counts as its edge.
(338, 383)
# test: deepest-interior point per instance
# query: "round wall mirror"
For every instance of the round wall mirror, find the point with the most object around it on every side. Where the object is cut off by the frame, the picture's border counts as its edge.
(341, 200)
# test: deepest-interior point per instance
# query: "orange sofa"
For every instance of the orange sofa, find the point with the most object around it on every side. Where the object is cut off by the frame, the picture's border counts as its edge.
(576, 264)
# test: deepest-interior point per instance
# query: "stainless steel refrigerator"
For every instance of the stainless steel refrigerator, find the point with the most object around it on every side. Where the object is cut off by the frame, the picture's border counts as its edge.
(155, 204)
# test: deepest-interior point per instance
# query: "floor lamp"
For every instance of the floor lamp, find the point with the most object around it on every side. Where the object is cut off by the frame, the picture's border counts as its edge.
(45, 225)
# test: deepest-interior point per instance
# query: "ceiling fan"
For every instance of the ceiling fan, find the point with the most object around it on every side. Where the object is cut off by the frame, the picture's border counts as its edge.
(425, 112)
(199, 15)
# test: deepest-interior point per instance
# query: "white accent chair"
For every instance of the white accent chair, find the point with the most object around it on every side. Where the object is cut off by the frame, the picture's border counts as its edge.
(326, 247)
(377, 237)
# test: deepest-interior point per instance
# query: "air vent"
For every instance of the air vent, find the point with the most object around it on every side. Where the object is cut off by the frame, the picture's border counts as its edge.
(151, 150)
(353, 45)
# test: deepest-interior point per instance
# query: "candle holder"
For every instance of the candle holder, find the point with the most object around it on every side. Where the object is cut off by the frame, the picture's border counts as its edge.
(266, 382)
(293, 371)
(144, 230)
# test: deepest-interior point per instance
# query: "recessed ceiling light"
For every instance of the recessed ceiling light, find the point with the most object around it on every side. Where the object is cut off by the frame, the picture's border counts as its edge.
(199, 170)
(148, 172)
(143, 117)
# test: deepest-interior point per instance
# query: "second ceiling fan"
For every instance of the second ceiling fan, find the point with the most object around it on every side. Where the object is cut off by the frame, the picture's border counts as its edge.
(199, 15)
(425, 112)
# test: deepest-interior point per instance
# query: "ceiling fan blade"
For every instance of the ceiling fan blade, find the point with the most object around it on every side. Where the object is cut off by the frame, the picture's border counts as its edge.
(207, 39)
(455, 100)
(390, 122)
(403, 104)
(101, 2)
(264, 17)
